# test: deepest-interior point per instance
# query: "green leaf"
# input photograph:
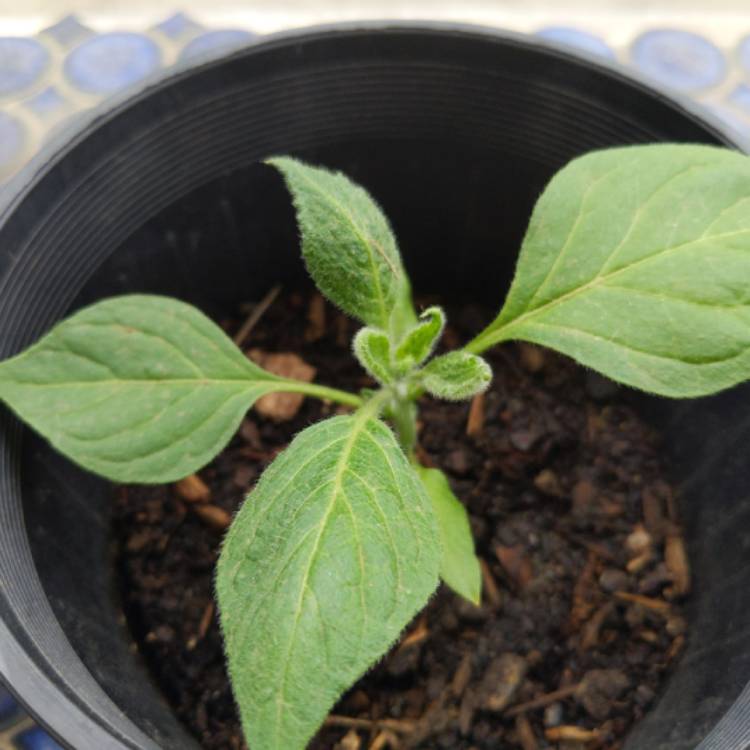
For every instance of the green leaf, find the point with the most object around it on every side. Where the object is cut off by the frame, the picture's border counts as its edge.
(637, 263)
(328, 559)
(372, 347)
(460, 567)
(456, 376)
(347, 242)
(419, 342)
(136, 388)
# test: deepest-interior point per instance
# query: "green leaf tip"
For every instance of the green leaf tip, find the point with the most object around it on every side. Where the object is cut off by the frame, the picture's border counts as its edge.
(418, 343)
(328, 559)
(372, 348)
(636, 263)
(456, 376)
(347, 243)
(460, 567)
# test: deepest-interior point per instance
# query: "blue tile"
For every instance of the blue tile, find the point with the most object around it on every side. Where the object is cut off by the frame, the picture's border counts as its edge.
(22, 62)
(679, 59)
(579, 39)
(109, 62)
(68, 31)
(47, 103)
(215, 41)
(36, 739)
(178, 25)
(740, 97)
(12, 139)
(743, 54)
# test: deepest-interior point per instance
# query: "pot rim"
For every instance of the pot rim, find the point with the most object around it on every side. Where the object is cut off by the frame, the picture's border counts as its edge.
(56, 146)
(53, 703)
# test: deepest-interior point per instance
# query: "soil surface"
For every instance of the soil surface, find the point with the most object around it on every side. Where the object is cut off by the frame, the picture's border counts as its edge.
(583, 558)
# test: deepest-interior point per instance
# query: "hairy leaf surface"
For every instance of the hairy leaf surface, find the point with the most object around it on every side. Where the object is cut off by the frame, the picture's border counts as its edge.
(327, 560)
(456, 375)
(137, 388)
(372, 347)
(419, 342)
(347, 242)
(459, 567)
(637, 263)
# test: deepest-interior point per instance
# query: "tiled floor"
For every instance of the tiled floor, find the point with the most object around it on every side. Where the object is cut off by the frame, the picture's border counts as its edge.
(46, 77)
(48, 73)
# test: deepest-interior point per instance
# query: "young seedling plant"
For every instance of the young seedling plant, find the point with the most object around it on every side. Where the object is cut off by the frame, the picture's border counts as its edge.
(636, 263)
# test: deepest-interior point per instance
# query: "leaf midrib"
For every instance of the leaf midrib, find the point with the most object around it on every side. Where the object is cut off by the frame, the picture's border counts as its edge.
(360, 421)
(364, 241)
(145, 381)
(504, 331)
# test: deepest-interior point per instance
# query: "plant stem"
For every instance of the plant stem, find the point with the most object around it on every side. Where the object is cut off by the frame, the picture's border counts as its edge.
(402, 410)
(322, 392)
(486, 339)
(405, 421)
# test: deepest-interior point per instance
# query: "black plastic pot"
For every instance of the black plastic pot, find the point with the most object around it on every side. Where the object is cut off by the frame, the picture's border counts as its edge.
(455, 130)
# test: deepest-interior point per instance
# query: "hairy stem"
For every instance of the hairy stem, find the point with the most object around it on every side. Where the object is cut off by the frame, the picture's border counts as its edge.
(487, 339)
(403, 413)
(322, 392)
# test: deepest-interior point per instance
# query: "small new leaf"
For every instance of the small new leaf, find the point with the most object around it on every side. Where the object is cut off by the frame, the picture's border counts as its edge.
(456, 376)
(459, 568)
(136, 388)
(327, 560)
(347, 242)
(419, 342)
(372, 349)
(636, 263)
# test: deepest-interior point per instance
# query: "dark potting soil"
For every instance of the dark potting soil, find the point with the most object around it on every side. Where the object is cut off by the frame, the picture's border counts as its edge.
(583, 559)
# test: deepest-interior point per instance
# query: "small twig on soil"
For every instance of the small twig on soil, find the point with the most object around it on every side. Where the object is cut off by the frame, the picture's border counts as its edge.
(384, 739)
(637, 564)
(532, 357)
(257, 313)
(350, 741)
(491, 589)
(475, 423)
(542, 701)
(466, 711)
(203, 626)
(597, 549)
(525, 733)
(653, 512)
(404, 726)
(316, 318)
(461, 676)
(591, 628)
(582, 606)
(417, 635)
(212, 515)
(575, 734)
(658, 605)
(205, 623)
(193, 489)
(677, 561)
(677, 645)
